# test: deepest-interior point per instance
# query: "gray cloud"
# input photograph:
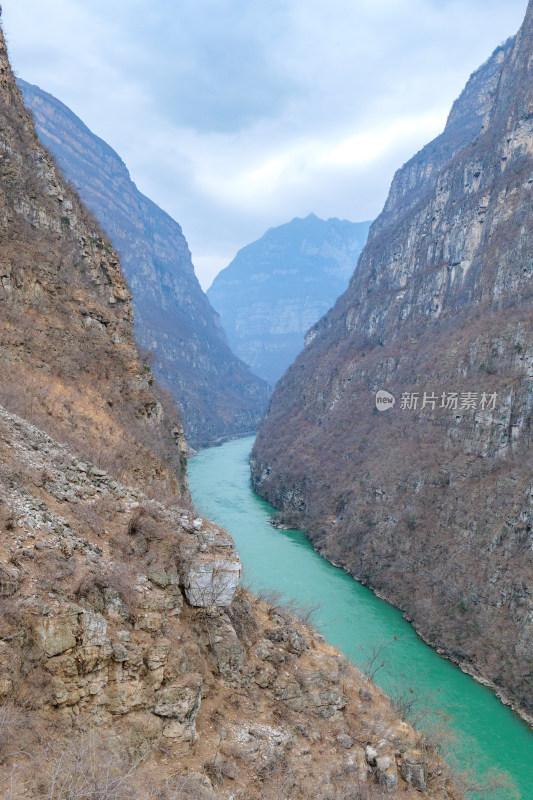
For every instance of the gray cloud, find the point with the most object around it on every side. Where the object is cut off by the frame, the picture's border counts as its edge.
(236, 115)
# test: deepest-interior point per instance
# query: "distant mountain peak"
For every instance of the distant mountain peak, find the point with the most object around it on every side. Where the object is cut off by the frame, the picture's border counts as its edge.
(278, 286)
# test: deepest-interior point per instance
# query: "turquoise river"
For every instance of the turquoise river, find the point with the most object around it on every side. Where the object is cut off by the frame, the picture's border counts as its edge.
(484, 735)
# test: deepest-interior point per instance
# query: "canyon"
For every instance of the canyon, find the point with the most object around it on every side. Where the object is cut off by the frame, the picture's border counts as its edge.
(133, 663)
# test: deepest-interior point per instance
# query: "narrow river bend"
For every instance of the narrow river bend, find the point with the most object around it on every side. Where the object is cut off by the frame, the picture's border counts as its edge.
(484, 734)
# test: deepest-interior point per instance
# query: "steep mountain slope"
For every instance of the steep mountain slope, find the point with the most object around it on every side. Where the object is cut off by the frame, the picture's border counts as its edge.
(280, 285)
(131, 663)
(215, 392)
(432, 505)
(66, 324)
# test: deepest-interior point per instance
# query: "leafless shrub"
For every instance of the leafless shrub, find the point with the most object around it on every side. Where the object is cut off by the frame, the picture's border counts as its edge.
(235, 751)
(32, 684)
(94, 516)
(54, 567)
(274, 766)
(213, 770)
(86, 767)
(287, 607)
(11, 617)
(15, 730)
(144, 521)
(284, 715)
(7, 519)
(91, 587)
(374, 659)
(182, 787)
(136, 521)
(493, 782)
(419, 709)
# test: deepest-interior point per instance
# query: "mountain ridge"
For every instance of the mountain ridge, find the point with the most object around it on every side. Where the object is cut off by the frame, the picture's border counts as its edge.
(278, 286)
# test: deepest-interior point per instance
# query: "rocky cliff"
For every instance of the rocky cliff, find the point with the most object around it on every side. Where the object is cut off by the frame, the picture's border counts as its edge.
(216, 393)
(277, 287)
(430, 500)
(132, 665)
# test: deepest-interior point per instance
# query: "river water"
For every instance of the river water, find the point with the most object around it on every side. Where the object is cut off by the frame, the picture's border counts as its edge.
(481, 733)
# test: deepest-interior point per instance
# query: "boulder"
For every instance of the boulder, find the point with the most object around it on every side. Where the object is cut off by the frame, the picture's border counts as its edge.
(210, 581)
(388, 777)
(156, 655)
(163, 577)
(94, 629)
(328, 702)
(414, 769)
(227, 648)
(181, 701)
(386, 770)
(401, 736)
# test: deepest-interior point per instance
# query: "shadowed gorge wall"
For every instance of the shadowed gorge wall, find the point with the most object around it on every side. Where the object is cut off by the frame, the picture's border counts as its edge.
(66, 324)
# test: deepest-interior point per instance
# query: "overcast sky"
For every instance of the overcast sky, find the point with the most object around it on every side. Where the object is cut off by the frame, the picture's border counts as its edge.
(238, 115)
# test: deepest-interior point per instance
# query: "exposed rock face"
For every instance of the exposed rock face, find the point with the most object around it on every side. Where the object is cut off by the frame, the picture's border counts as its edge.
(209, 580)
(433, 505)
(277, 287)
(216, 393)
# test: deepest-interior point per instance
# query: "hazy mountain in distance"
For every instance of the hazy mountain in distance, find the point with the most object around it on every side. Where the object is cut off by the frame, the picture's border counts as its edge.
(280, 285)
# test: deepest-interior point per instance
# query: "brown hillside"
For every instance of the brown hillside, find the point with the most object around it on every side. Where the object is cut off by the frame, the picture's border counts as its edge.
(66, 343)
